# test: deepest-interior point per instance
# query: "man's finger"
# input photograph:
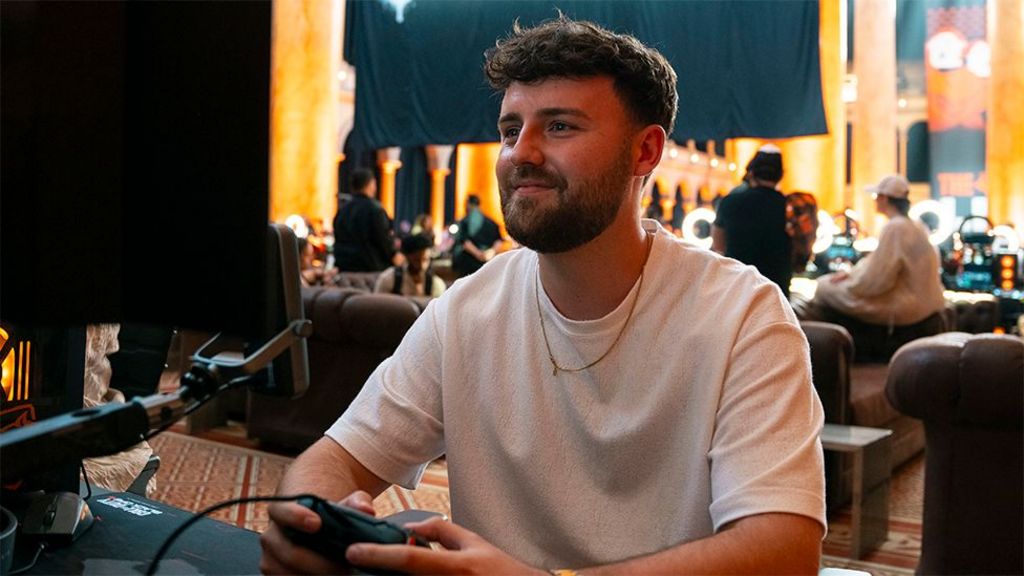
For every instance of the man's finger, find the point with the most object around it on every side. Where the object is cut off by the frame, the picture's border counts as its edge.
(282, 556)
(400, 557)
(360, 500)
(451, 536)
(294, 516)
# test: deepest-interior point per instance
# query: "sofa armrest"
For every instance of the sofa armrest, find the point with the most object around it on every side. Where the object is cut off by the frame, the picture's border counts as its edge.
(831, 353)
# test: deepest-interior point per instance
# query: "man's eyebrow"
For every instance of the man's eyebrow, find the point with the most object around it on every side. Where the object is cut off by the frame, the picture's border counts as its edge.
(509, 117)
(546, 113)
(549, 112)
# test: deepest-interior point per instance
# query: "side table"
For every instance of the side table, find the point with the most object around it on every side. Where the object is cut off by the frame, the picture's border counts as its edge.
(869, 447)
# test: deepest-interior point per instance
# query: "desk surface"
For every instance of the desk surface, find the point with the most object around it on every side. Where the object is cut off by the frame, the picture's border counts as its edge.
(849, 438)
(129, 529)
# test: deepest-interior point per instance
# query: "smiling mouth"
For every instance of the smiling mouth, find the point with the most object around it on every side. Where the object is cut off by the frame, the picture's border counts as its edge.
(534, 189)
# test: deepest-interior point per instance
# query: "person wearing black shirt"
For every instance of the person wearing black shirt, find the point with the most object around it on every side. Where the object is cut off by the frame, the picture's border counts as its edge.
(363, 240)
(750, 225)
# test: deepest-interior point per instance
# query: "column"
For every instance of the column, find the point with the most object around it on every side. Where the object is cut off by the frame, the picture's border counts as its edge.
(474, 167)
(306, 56)
(874, 132)
(1004, 141)
(438, 160)
(389, 163)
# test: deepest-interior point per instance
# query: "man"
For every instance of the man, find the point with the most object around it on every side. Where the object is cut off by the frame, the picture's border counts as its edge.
(750, 225)
(566, 447)
(414, 277)
(362, 231)
(899, 283)
(475, 242)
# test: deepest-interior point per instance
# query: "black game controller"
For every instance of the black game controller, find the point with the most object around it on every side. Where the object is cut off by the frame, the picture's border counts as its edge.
(342, 526)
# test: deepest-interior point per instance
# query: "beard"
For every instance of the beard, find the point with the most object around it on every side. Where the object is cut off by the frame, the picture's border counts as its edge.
(581, 211)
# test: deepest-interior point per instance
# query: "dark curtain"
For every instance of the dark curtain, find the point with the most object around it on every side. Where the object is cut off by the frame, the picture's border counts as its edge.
(745, 68)
(918, 168)
(412, 188)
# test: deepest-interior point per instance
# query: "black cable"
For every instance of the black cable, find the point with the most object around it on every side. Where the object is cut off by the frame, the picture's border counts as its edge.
(202, 513)
(85, 478)
(39, 551)
(190, 410)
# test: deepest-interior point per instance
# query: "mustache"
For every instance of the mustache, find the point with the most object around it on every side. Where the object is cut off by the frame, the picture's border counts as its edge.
(535, 175)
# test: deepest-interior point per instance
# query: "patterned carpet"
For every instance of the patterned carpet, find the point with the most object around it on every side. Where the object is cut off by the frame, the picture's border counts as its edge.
(196, 473)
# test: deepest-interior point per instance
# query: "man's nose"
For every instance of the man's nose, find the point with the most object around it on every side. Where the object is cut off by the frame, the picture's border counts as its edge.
(527, 149)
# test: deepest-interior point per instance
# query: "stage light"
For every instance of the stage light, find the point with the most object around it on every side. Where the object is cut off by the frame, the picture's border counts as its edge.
(1008, 234)
(298, 225)
(690, 222)
(864, 245)
(945, 226)
(826, 233)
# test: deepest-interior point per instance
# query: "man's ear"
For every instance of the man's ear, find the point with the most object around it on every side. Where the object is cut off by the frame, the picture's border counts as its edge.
(650, 145)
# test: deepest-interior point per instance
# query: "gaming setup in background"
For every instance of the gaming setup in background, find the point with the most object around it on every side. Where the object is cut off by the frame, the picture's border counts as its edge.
(977, 259)
(135, 154)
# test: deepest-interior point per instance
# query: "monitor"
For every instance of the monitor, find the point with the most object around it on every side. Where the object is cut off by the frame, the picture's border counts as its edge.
(135, 170)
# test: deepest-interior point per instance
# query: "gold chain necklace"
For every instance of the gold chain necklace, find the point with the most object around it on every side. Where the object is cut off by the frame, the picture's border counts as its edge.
(555, 368)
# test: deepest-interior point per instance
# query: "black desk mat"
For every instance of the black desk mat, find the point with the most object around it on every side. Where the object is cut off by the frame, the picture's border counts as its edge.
(129, 529)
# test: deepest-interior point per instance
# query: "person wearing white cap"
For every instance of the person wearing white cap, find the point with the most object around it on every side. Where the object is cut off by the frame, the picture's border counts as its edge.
(898, 284)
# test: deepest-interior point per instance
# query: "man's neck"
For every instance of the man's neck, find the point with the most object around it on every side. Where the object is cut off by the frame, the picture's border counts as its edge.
(590, 281)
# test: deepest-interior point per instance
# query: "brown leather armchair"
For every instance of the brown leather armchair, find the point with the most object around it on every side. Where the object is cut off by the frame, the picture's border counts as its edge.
(969, 391)
(854, 394)
(353, 332)
(364, 281)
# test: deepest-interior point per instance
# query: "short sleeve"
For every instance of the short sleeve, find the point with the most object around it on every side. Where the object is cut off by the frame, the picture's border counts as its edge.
(766, 455)
(404, 392)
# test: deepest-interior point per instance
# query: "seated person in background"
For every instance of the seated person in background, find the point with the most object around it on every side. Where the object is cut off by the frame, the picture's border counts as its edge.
(750, 224)
(424, 224)
(477, 239)
(566, 447)
(896, 285)
(115, 472)
(309, 273)
(414, 277)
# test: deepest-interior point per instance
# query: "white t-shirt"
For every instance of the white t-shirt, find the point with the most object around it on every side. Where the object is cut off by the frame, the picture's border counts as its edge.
(702, 414)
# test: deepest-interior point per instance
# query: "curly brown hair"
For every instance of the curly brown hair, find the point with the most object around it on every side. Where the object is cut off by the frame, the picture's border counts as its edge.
(567, 48)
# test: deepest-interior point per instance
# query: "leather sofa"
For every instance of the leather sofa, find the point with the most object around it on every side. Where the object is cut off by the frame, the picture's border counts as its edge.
(969, 392)
(364, 281)
(353, 331)
(854, 394)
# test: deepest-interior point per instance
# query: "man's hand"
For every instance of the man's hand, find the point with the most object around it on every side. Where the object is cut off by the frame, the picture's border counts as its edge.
(465, 553)
(281, 556)
(838, 277)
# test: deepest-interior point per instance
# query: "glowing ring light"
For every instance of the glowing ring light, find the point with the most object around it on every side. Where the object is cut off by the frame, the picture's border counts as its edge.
(1009, 234)
(298, 225)
(869, 244)
(826, 232)
(698, 215)
(945, 227)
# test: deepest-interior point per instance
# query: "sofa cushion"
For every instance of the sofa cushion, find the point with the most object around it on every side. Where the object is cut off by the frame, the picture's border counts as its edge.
(868, 404)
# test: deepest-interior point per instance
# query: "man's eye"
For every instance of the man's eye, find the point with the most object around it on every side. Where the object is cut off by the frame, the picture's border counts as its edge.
(560, 127)
(510, 132)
